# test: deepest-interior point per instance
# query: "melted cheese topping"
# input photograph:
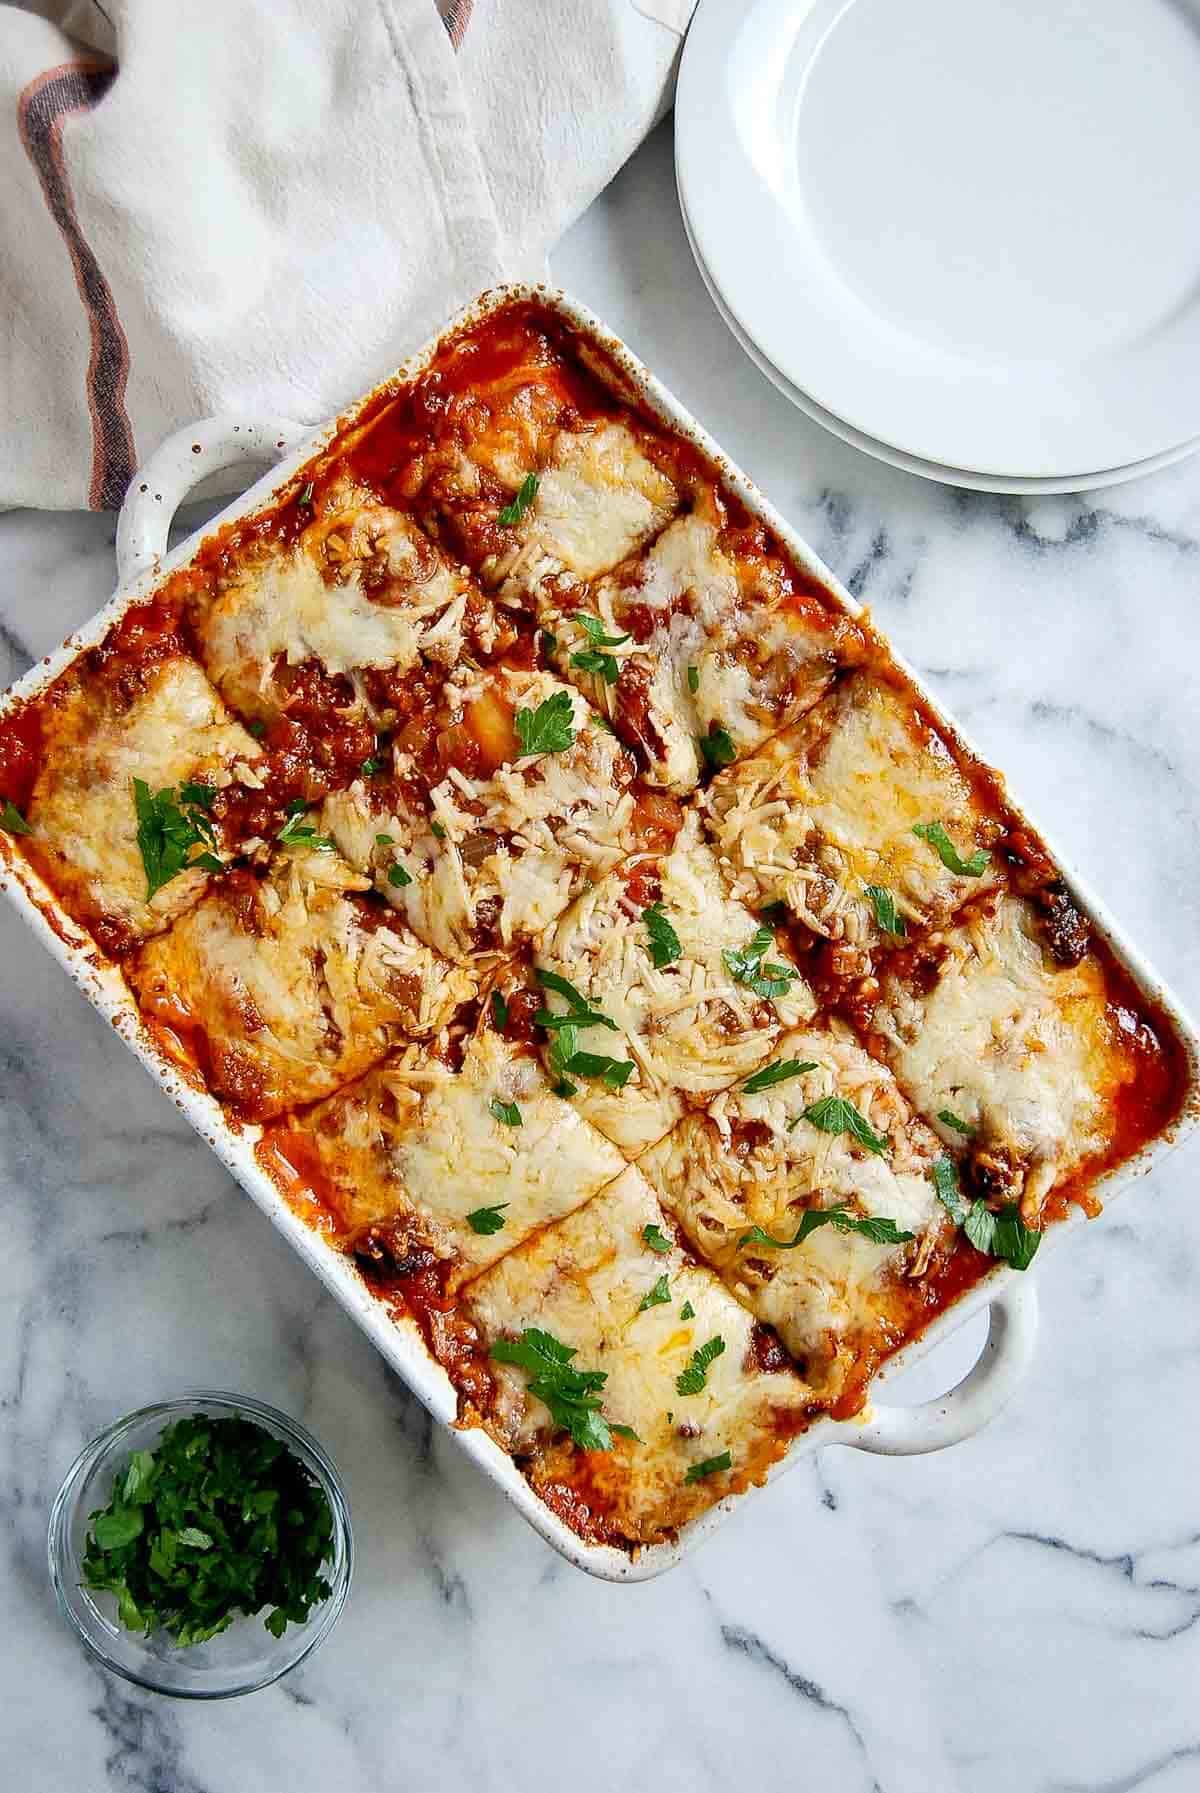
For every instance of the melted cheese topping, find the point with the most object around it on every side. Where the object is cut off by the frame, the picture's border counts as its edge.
(514, 848)
(364, 587)
(1021, 1050)
(828, 808)
(292, 984)
(174, 730)
(414, 1147)
(690, 1028)
(750, 1162)
(598, 499)
(583, 1281)
(729, 626)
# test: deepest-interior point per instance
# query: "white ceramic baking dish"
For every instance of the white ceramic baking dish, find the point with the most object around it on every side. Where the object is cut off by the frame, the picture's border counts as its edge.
(217, 444)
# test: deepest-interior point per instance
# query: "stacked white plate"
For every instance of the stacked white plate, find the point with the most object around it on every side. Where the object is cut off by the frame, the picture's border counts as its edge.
(961, 234)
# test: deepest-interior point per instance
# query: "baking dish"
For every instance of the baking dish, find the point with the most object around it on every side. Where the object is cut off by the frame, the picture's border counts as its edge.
(217, 444)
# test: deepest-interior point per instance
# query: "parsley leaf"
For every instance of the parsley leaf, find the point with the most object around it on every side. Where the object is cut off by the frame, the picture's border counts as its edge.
(296, 832)
(593, 628)
(12, 821)
(655, 1238)
(693, 679)
(693, 1379)
(548, 729)
(874, 1227)
(571, 1395)
(780, 1072)
(166, 833)
(590, 660)
(398, 876)
(615, 1072)
(371, 768)
(716, 747)
(665, 946)
(626, 1432)
(886, 915)
(499, 1012)
(257, 728)
(746, 966)
(438, 832)
(833, 1114)
(949, 1119)
(526, 493)
(935, 836)
(306, 494)
(548, 642)
(579, 1014)
(508, 1112)
(657, 1296)
(219, 1519)
(487, 1220)
(710, 1466)
(1003, 1235)
(687, 1311)
(385, 840)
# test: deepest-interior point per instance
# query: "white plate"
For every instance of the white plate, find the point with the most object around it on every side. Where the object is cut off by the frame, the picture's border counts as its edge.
(909, 463)
(967, 230)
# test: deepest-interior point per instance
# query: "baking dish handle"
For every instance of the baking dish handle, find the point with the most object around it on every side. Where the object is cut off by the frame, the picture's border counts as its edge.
(189, 455)
(968, 1406)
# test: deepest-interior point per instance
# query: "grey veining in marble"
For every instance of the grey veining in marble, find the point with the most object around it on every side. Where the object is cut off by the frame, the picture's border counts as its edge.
(1019, 1615)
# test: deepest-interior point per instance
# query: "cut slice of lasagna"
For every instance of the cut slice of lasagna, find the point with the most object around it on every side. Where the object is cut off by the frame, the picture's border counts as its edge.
(518, 798)
(824, 820)
(690, 994)
(633, 1389)
(702, 646)
(332, 627)
(812, 1197)
(280, 988)
(156, 723)
(980, 1022)
(422, 1165)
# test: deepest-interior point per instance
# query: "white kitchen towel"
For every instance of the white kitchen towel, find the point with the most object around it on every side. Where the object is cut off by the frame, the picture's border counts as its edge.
(263, 205)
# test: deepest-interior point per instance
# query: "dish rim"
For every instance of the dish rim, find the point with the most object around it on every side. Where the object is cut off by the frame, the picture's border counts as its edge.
(398, 1338)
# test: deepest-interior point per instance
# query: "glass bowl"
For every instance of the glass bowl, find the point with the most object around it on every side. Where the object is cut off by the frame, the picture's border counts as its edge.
(246, 1656)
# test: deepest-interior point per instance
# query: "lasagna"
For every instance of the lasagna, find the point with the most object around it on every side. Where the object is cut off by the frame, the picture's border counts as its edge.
(598, 938)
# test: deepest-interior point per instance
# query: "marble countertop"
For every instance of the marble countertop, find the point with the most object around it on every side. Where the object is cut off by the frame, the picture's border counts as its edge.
(1022, 1612)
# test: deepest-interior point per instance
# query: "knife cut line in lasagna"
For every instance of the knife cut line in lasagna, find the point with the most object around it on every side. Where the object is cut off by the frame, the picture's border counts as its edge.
(608, 949)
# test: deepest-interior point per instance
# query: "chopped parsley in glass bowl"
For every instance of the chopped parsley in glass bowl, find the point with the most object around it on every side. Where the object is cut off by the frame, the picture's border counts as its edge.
(202, 1547)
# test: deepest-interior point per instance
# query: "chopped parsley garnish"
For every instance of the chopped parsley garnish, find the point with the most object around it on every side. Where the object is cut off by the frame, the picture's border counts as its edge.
(487, 1220)
(833, 1114)
(398, 876)
(385, 840)
(508, 1112)
(658, 1296)
(774, 912)
(548, 729)
(296, 832)
(12, 821)
(626, 1432)
(879, 1230)
(949, 1119)
(693, 1379)
(665, 945)
(580, 1012)
(593, 628)
(499, 1012)
(717, 747)
(548, 642)
(167, 831)
(934, 835)
(615, 1072)
(780, 1072)
(589, 659)
(218, 1519)
(655, 1238)
(573, 1396)
(438, 832)
(526, 493)
(886, 915)
(1003, 1235)
(371, 768)
(257, 729)
(693, 679)
(687, 1311)
(306, 494)
(747, 966)
(710, 1466)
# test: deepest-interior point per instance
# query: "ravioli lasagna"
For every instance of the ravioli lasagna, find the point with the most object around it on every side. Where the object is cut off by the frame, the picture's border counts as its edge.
(601, 941)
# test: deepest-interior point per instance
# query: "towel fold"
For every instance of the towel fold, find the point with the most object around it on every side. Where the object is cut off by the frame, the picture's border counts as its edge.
(263, 205)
